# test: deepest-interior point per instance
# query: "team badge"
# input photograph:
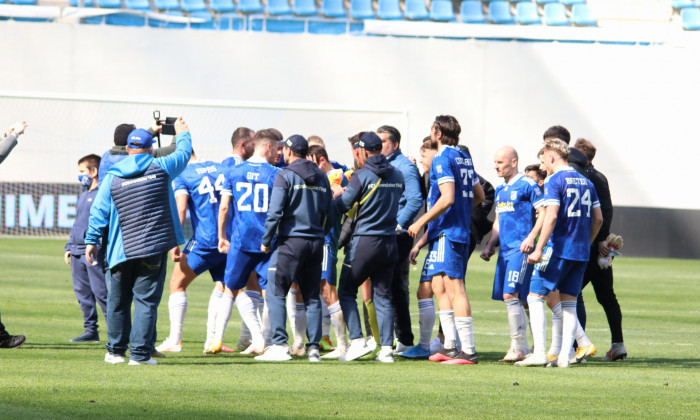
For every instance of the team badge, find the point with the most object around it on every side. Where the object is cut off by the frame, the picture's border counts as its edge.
(438, 169)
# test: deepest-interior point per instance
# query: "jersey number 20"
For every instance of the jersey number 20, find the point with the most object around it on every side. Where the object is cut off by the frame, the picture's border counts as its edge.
(260, 197)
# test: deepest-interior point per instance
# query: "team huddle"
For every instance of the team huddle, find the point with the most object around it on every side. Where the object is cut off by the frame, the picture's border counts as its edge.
(268, 223)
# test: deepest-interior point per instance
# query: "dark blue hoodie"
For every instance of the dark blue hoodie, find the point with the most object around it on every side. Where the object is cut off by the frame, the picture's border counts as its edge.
(300, 203)
(378, 213)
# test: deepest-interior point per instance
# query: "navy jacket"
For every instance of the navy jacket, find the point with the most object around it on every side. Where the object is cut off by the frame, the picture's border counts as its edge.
(76, 242)
(412, 198)
(377, 215)
(300, 203)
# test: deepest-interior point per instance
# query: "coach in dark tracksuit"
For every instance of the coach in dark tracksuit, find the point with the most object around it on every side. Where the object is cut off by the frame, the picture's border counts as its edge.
(300, 213)
(373, 250)
(135, 203)
(88, 280)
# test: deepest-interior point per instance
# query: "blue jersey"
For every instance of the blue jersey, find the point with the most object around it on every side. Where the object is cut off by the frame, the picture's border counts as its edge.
(452, 165)
(202, 182)
(249, 185)
(516, 202)
(232, 161)
(576, 197)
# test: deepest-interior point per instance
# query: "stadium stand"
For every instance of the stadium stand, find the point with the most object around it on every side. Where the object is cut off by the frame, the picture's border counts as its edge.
(555, 15)
(526, 14)
(110, 3)
(582, 15)
(303, 7)
(441, 11)
(222, 5)
(279, 7)
(137, 4)
(389, 10)
(499, 13)
(361, 9)
(682, 4)
(250, 6)
(333, 9)
(690, 19)
(190, 6)
(471, 12)
(416, 10)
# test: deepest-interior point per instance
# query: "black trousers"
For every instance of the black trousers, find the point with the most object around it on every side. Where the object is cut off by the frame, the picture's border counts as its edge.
(399, 291)
(602, 281)
(3, 332)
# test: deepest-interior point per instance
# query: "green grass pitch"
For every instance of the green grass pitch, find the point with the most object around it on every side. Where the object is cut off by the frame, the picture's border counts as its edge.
(50, 378)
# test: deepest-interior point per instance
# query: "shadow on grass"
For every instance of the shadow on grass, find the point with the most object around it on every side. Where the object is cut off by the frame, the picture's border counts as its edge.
(641, 362)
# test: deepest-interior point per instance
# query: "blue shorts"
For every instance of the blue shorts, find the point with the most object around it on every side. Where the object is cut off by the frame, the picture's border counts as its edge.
(240, 264)
(512, 275)
(558, 273)
(328, 266)
(201, 260)
(445, 257)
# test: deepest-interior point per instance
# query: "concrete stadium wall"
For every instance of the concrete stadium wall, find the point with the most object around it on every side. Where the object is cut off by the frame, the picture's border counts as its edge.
(635, 103)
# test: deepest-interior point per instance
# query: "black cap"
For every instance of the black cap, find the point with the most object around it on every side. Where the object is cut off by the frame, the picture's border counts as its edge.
(121, 133)
(370, 141)
(297, 144)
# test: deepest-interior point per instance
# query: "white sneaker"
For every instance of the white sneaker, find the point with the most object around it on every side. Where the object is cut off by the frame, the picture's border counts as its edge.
(150, 361)
(371, 344)
(298, 349)
(243, 343)
(400, 348)
(385, 355)
(534, 359)
(314, 355)
(358, 348)
(254, 348)
(114, 358)
(335, 354)
(275, 353)
(170, 346)
(436, 346)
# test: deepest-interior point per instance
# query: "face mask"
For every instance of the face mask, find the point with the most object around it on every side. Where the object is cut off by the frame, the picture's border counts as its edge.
(85, 179)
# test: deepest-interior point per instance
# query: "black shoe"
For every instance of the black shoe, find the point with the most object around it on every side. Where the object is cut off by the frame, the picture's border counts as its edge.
(86, 337)
(12, 341)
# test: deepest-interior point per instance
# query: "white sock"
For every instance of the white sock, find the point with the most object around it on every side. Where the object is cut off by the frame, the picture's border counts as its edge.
(338, 321)
(291, 303)
(300, 324)
(465, 331)
(267, 330)
(223, 315)
(255, 296)
(447, 319)
(581, 337)
(517, 325)
(426, 320)
(569, 321)
(177, 308)
(325, 319)
(246, 307)
(538, 323)
(211, 313)
(555, 347)
(525, 315)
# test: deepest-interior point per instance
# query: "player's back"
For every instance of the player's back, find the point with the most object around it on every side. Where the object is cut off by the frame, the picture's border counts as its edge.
(452, 165)
(515, 205)
(202, 181)
(250, 185)
(232, 161)
(576, 198)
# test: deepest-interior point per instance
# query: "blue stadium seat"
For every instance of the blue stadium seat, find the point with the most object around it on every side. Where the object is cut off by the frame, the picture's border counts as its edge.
(361, 9)
(572, 2)
(441, 11)
(555, 15)
(137, 5)
(110, 4)
(333, 8)
(154, 22)
(250, 6)
(682, 4)
(582, 15)
(416, 10)
(526, 14)
(190, 6)
(304, 7)
(278, 7)
(547, 1)
(499, 12)
(690, 19)
(222, 6)
(389, 10)
(86, 3)
(166, 4)
(125, 19)
(23, 2)
(471, 12)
